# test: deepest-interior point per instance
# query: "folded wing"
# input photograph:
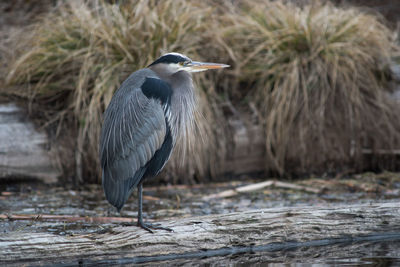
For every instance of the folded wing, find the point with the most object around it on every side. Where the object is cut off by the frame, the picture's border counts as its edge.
(134, 129)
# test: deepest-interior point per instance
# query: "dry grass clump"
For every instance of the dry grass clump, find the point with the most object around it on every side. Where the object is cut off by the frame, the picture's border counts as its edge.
(77, 56)
(317, 75)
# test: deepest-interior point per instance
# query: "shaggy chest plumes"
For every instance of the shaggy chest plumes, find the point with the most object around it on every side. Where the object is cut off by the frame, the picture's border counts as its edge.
(183, 104)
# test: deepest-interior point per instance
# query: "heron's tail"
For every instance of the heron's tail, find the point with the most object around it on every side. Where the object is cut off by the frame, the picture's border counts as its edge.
(117, 191)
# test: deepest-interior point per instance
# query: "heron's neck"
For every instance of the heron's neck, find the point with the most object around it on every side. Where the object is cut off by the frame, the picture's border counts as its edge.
(183, 104)
(183, 100)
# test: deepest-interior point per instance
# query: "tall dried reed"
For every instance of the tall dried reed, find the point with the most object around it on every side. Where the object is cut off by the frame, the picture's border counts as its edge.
(317, 75)
(78, 55)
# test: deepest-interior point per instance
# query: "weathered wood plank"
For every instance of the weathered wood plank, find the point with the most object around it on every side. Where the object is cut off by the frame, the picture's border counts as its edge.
(250, 228)
(22, 148)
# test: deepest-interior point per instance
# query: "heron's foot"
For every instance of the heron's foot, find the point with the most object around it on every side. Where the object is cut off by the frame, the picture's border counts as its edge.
(149, 226)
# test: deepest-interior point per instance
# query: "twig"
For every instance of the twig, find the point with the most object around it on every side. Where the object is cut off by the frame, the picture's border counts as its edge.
(258, 186)
(297, 187)
(68, 218)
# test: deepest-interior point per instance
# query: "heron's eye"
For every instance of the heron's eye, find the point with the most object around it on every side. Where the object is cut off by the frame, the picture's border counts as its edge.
(186, 62)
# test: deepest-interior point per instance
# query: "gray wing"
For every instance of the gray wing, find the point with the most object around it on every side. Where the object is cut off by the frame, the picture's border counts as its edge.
(134, 129)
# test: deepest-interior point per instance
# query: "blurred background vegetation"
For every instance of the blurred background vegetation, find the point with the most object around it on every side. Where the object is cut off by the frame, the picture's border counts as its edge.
(314, 77)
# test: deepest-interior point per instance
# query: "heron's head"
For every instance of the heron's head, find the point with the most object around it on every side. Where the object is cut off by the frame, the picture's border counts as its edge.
(174, 62)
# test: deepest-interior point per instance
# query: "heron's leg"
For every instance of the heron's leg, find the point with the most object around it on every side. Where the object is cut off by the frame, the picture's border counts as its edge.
(140, 223)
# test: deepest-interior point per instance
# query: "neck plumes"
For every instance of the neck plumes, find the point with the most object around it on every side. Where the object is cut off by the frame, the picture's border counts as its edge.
(183, 102)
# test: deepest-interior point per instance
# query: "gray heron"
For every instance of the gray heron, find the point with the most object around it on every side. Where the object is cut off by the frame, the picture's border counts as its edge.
(145, 117)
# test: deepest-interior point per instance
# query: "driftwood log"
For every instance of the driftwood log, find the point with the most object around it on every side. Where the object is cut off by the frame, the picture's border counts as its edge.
(23, 152)
(274, 229)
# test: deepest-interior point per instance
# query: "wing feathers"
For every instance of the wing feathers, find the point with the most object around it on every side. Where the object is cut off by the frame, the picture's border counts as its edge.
(134, 129)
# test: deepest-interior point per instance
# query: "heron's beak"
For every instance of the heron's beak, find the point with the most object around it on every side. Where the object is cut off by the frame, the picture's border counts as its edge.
(196, 66)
